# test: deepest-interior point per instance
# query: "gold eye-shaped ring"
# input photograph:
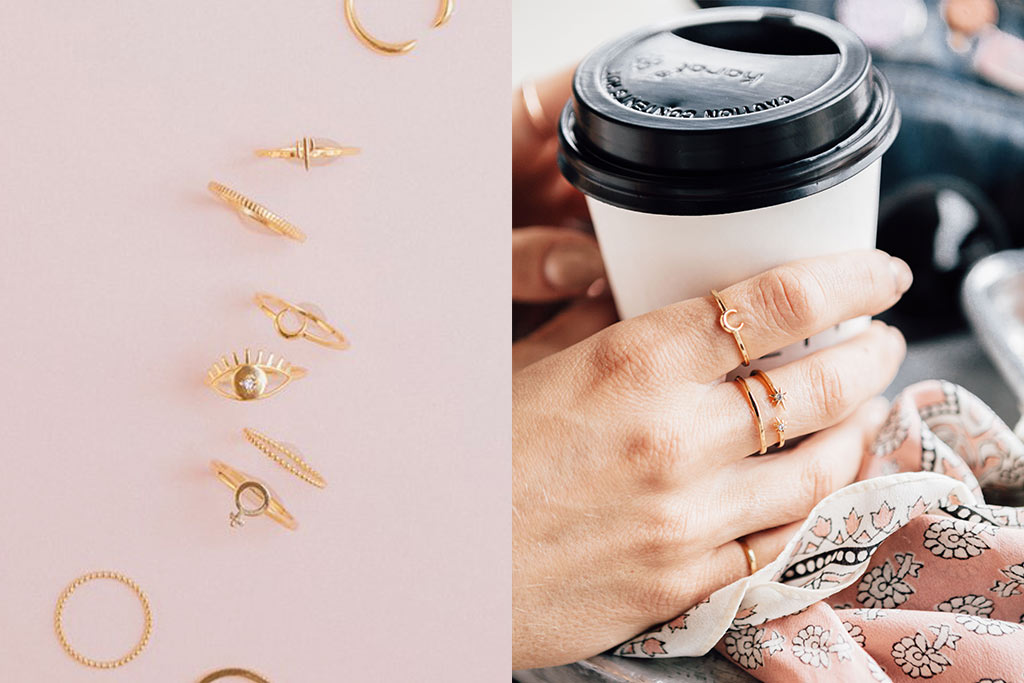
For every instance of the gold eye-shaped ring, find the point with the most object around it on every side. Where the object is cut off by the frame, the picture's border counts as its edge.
(279, 310)
(444, 13)
(240, 482)
(252, 377)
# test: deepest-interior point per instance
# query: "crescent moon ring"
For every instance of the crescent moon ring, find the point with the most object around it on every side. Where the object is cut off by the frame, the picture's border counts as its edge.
(375, 44)
(724, 322)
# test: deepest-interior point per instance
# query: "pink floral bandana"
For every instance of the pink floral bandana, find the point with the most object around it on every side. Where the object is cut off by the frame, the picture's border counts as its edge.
(904, 575)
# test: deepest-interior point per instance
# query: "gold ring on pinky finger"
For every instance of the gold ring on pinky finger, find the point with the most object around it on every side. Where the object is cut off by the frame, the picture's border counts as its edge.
(748, 552)
(755, 410)
(58, 620)
(777, 398)
(734, 330)
(257, 212)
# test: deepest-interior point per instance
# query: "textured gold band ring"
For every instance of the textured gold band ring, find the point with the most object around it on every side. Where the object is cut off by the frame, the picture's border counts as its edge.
(755, 410)
(284, 457)
(734, 330)
(58, 620)
(256, 212)
(233, 673)
(748, 552)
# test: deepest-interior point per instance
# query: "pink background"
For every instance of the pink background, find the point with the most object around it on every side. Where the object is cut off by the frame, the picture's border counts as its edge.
(123, 279)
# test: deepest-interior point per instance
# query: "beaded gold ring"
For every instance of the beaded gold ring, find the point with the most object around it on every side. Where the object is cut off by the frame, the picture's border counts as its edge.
(58, 621)
(285, 457)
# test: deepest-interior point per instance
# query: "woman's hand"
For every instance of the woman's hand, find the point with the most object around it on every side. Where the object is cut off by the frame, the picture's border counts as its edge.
(631, 476)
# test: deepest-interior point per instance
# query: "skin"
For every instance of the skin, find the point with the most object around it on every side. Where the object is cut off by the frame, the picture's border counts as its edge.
(631, 471)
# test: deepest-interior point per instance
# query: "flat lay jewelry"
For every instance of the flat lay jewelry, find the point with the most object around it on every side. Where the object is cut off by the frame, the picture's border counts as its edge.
(309, 150)
(444, 13)
(748, 552)
(284, 457)
(257, 212)
(251, 377)
(778, 399)
(241, 483)
(233, 673)
(755, 411)
(734, 330)
(534, 109)
(58, 620)
(321, 332)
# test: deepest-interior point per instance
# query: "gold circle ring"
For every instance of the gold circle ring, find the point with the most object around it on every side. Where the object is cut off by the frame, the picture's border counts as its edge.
(734, 330)
(755, 410)
(58, 620)
(256, 212)
(276, 308)
(234, 479)
(444, 13)
(748, 552)
(233, 673)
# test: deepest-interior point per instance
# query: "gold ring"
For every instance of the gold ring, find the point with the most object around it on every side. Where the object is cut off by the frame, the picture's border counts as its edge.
(232, 673)
(239, 482)
(444, 13)
(284, 457)
(310, 149)
(257, 212)
(251, 377)
(755, 410)
(534, 109)
(777, 398)
(277, 309)
(58, 621)
(734, 330)
(749, 553)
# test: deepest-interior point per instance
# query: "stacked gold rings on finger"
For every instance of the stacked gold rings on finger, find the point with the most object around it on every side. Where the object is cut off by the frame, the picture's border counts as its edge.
(240, 483)
(748, 552)
(277, 309)
(58, 620)
(309, 150)
(444, 13)
(257, 212)
(734, 330)
(285, 457)
(777, 398)
(755, 411)
(251, 377)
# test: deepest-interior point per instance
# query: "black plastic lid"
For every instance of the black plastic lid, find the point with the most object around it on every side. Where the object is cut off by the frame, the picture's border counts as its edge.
(725, 110)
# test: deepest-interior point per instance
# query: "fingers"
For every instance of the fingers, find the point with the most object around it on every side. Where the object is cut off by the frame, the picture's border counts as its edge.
(779, 307)
(779, 489)
(575, 324)
(549, 264)
(821, 389)
(539, 104)
(730, 561)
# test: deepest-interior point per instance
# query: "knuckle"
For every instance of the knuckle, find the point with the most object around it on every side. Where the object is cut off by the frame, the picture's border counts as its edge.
(662, 533)
(618, 356)
(653, 453)
(828, 390)
(816, 482)
(792, 298)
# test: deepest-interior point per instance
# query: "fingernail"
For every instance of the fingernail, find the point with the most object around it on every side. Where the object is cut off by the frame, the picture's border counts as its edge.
(597, 288)
(901, 273)
(573, 266)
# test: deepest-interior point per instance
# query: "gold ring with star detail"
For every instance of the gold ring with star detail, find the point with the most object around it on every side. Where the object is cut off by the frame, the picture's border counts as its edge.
(734, 330)
(257, 212)
(444, 13)
(240, 482)
(252, 376)
(321, 332)
(777, 398)
(310, 150)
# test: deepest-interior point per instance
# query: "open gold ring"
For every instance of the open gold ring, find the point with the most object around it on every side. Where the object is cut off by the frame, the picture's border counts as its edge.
(269, 504)
(279, 310)
(444, 13)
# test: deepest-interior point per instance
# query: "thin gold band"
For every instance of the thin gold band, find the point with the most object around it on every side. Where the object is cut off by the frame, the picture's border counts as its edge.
(534, 109)
(734, 330)
(756, 411)
(256, 212)
(284, 457)
(748, 552)
(58, 620)
(275, 307)
(778, 399)
(232, 673)
(233, 478)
